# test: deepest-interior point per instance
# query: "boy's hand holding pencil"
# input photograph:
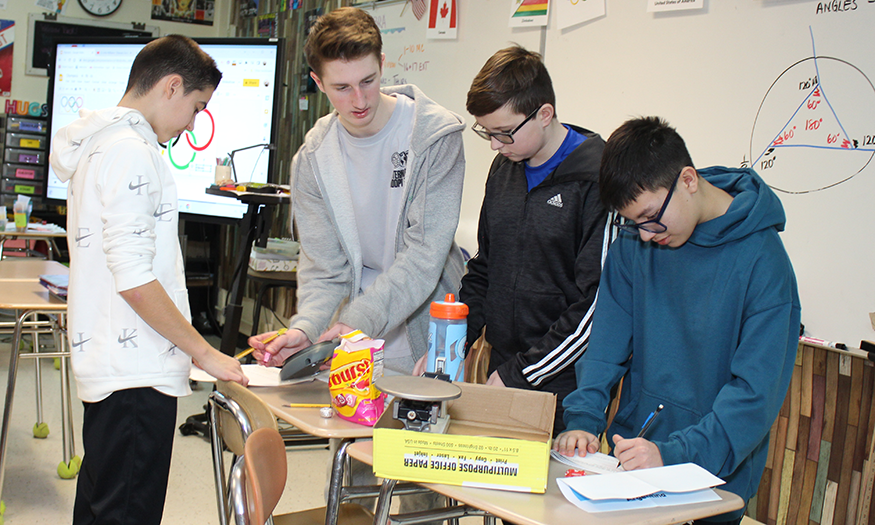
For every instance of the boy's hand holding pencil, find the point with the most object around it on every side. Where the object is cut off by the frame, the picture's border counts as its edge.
(273, 348)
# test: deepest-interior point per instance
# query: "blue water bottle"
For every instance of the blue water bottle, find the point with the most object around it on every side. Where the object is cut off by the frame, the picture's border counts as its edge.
(447, 333)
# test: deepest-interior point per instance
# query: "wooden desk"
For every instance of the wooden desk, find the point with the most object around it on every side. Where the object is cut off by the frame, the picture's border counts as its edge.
(308, 419)
(552, 508)
(31, 299)
(49, 237)
(29, 269)
(28, 295)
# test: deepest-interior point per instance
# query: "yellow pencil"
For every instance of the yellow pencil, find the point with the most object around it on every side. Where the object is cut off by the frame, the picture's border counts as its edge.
(249, 350)
(306, 405)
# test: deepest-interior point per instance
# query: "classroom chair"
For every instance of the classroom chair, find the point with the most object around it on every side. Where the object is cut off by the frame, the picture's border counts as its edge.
(477, 360)
(237, 414)
(261, 474)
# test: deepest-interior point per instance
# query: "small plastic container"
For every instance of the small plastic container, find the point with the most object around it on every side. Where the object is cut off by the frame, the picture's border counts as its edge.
(447, 335)
(21, 210)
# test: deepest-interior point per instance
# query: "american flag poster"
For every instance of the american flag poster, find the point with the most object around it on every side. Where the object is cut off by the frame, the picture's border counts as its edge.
(419, 8)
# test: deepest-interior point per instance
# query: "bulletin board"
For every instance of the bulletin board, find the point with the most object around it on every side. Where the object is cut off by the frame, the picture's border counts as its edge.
(784, 86)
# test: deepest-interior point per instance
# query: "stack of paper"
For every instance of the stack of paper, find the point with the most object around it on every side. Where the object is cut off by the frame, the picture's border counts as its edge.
(639, 489)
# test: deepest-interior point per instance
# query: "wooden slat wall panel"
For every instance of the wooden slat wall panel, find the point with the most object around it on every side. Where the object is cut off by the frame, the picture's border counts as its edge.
(821, 463)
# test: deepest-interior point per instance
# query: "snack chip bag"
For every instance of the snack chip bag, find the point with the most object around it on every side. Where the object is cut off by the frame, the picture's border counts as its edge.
(356, 364)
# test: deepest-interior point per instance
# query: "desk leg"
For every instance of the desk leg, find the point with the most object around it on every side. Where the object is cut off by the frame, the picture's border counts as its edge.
(335, 484)
(10, 391)
(40, 429)
(384, 503)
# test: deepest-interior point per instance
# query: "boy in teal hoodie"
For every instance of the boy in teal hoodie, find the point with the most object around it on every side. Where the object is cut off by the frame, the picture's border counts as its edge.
(701, 315)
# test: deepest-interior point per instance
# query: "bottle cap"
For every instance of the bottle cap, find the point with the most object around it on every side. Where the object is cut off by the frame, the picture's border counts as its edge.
(448, 308)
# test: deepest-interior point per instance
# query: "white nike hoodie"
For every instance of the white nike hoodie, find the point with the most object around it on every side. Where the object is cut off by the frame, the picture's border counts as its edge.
(122, 233)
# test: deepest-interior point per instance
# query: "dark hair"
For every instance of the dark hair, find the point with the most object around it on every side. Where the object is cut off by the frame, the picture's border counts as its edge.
(347, 33)
(643, 154)
(173, 55)
(512, 75)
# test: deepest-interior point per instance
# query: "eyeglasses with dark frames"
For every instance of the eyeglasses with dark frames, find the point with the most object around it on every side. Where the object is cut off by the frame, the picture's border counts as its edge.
(653, 225)
(504, 138)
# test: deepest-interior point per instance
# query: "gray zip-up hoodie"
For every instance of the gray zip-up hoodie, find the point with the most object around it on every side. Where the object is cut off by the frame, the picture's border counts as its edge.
(428, 264)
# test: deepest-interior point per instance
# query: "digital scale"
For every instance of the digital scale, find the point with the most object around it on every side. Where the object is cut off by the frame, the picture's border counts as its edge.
(420, 402)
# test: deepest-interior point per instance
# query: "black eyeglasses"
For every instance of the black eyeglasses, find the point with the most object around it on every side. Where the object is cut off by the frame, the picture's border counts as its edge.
(653, 225)
(504, 138)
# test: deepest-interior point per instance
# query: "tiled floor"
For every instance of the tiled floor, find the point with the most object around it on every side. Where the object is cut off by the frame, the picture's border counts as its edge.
(34, 494)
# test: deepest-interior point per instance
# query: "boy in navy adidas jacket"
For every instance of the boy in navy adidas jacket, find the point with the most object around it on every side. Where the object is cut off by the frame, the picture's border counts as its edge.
(543, 232)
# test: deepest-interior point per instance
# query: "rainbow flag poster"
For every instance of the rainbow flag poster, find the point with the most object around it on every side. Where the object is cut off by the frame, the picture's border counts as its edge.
(529, 13)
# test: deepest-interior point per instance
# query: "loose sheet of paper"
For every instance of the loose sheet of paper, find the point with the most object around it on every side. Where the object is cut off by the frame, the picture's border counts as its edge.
(592, 462)
(258, 376)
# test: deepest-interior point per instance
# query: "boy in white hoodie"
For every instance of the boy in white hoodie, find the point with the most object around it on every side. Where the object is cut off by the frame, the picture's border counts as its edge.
(129, 323)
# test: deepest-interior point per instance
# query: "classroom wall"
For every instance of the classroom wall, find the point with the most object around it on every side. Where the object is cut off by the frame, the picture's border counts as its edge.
(33, 88)
(732, 77)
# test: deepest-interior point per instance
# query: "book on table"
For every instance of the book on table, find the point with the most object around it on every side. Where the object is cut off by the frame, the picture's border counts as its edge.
(56, 284)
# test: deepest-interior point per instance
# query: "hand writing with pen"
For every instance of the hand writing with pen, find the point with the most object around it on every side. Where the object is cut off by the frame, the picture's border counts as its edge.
(633, 453)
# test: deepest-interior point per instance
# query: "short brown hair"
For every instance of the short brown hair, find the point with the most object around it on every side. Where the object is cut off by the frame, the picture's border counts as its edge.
(347, 33)
(173, 54)
(512, 75)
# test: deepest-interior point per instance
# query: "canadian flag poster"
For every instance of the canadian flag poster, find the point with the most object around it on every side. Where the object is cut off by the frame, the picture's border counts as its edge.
(442, 19)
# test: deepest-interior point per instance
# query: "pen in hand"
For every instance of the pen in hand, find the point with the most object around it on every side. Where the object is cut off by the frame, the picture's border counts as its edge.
(251, 349)
(649, 421)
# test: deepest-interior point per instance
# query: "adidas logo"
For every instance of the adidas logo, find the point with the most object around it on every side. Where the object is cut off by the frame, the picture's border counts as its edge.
(555, 200)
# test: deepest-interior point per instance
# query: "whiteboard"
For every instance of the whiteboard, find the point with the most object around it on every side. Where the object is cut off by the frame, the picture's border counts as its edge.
(784, 86)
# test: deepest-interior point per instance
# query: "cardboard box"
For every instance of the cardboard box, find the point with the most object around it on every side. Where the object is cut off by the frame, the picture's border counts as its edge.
(498, 438)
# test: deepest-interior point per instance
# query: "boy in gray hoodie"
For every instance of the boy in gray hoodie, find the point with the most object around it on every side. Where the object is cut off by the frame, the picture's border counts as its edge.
(376, 192)
(128, 316)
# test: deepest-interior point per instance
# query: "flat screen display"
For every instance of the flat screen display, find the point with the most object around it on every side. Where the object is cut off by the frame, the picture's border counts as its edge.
(242, 112)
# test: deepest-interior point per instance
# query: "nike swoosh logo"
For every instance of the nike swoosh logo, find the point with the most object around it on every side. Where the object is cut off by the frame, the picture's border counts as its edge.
(80, 343)
(126, 339)
(83, 237)
(132, 186)
(160, 213)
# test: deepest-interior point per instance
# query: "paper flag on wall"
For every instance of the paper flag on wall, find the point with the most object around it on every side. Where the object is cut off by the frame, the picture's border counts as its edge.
(419, 8)
(442, 19)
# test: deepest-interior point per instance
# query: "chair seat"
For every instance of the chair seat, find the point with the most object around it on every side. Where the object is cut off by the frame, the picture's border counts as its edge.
(349, 514)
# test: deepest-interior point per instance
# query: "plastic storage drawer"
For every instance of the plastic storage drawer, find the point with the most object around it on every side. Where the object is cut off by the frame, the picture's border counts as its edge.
(25, 156)
(25, 125)
(23, 187)
(24, 171)
(21, 140)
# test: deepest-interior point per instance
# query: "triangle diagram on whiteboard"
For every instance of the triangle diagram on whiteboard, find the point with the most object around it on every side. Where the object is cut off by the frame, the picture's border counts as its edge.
(814, 124)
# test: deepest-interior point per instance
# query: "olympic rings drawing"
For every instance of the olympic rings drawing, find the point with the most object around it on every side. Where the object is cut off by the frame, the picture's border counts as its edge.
(71, 103)
(192, 142)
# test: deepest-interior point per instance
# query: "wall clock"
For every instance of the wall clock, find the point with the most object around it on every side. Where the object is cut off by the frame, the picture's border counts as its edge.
(100, 7)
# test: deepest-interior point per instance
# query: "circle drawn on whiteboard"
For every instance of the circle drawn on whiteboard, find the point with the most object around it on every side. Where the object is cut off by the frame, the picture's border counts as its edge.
(813, 129)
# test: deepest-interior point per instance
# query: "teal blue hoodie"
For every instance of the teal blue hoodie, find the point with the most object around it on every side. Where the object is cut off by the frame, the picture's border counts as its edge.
(708, 329)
